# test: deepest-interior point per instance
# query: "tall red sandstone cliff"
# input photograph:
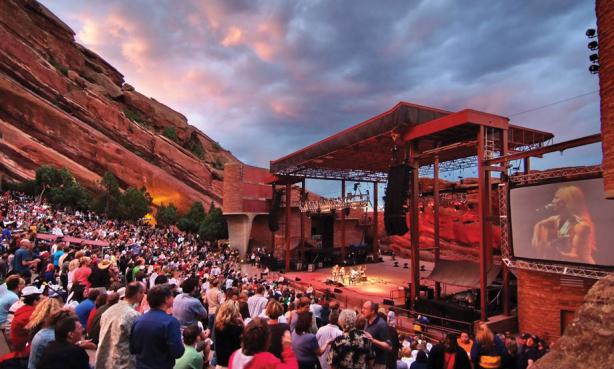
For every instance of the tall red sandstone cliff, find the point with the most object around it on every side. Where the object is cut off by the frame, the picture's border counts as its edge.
(62, 104)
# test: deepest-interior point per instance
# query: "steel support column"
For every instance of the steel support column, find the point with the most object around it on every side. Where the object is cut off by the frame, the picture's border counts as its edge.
(288, 213)
(343, 221)
(506, 270)
(375, 221)
(414, 221)
(436, 217)
(302, 241)
(483, 207)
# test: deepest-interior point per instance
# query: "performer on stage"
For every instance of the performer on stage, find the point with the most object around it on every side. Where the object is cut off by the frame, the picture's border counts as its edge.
(569, 233)
(342, 274)
(335, 272)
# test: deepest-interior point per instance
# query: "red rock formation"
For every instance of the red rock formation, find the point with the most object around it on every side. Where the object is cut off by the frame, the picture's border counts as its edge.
(62, 104)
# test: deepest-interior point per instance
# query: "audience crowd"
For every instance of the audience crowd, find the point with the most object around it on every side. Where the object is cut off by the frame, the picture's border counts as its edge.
(145, 297)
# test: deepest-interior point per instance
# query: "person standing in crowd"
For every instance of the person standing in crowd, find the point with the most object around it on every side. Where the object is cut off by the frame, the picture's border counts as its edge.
(187, 308)
(253, 354)
(19, 335)
(94, 333)
(305, 344)
(228, 329)
(528, 353)
(191, 359)
(376, 330)
(82, 274)
(465, 343)
(352, 349)
(257, 303)
(393, 354)
(214, 299)
(274, 310)
(14, 284)
(100, 277)
(488, 351)
(46, 334)
(86, 306)
(421, 362)
(64, 353)
(448, 355)
(156, 336)
(22, 262)
(115, 325)
(328, 333)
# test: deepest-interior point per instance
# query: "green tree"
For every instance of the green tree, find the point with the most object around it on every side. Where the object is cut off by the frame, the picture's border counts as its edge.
(61, 187)
(170, 133)
(167, 215)
(194, 217)
(134, 204)
(110, 195)
(214, 226)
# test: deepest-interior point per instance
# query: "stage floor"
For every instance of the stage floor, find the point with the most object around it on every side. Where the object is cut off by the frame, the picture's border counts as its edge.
(384, 281)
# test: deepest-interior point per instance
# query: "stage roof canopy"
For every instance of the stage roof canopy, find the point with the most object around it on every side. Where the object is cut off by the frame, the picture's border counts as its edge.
(364, 151)
(461, 273)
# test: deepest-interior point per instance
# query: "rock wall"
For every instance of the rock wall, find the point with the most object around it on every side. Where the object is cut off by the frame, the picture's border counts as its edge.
(588, 340)
(62, 104)
(605, 28)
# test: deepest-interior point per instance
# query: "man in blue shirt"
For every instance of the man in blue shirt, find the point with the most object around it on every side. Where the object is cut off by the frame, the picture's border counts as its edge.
(23, 258)
(155, 338)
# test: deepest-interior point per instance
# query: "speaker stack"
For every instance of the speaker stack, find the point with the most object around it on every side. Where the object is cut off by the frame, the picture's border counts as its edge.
(394, 202)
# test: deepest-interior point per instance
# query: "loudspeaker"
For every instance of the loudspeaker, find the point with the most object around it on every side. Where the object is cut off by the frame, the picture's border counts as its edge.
(394, 200)
(274, 212)
(388, 302)
(297, 279)
(336, 290)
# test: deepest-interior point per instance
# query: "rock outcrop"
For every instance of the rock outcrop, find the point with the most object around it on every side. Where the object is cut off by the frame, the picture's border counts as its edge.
(587, 342)
(62, 104)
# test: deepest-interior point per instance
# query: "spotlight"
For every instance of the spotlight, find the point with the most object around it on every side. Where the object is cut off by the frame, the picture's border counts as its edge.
(594, 69)
(593, 45)
(594, 58)
(591, 33)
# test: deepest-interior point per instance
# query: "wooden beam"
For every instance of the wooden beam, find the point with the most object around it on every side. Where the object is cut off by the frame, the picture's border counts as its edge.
(375, 221)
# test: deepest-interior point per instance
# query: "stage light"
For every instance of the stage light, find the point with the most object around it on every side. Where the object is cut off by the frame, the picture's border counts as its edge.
(591, 33)
(593, 45)
(594, 58)
(594, 69)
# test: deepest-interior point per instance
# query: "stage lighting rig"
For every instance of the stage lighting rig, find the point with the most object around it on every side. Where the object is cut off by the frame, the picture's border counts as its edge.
(593, 45)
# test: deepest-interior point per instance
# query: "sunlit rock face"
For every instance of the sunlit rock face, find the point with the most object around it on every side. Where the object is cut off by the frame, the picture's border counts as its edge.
(587, 342)
(62, 104)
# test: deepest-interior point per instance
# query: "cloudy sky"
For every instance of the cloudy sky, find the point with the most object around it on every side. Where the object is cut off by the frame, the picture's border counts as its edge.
(265, 78)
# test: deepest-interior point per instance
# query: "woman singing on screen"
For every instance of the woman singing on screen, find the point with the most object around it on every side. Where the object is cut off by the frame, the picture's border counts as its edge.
(570, 233)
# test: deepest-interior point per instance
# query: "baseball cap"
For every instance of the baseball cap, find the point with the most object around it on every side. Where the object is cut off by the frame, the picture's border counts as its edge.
(31, 290)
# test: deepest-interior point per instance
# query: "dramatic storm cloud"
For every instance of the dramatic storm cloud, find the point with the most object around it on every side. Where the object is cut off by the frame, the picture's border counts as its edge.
(268, 77)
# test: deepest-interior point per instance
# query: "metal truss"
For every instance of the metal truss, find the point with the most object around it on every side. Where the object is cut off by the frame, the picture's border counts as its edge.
(555, 174)
(335, 174)
(449, 166)
(570, 270)
(506, 250)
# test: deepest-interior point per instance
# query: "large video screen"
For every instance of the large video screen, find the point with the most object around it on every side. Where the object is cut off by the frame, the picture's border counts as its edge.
(565, 222)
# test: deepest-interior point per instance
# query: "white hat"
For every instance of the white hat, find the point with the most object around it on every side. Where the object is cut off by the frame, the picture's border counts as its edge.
(31, 290)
